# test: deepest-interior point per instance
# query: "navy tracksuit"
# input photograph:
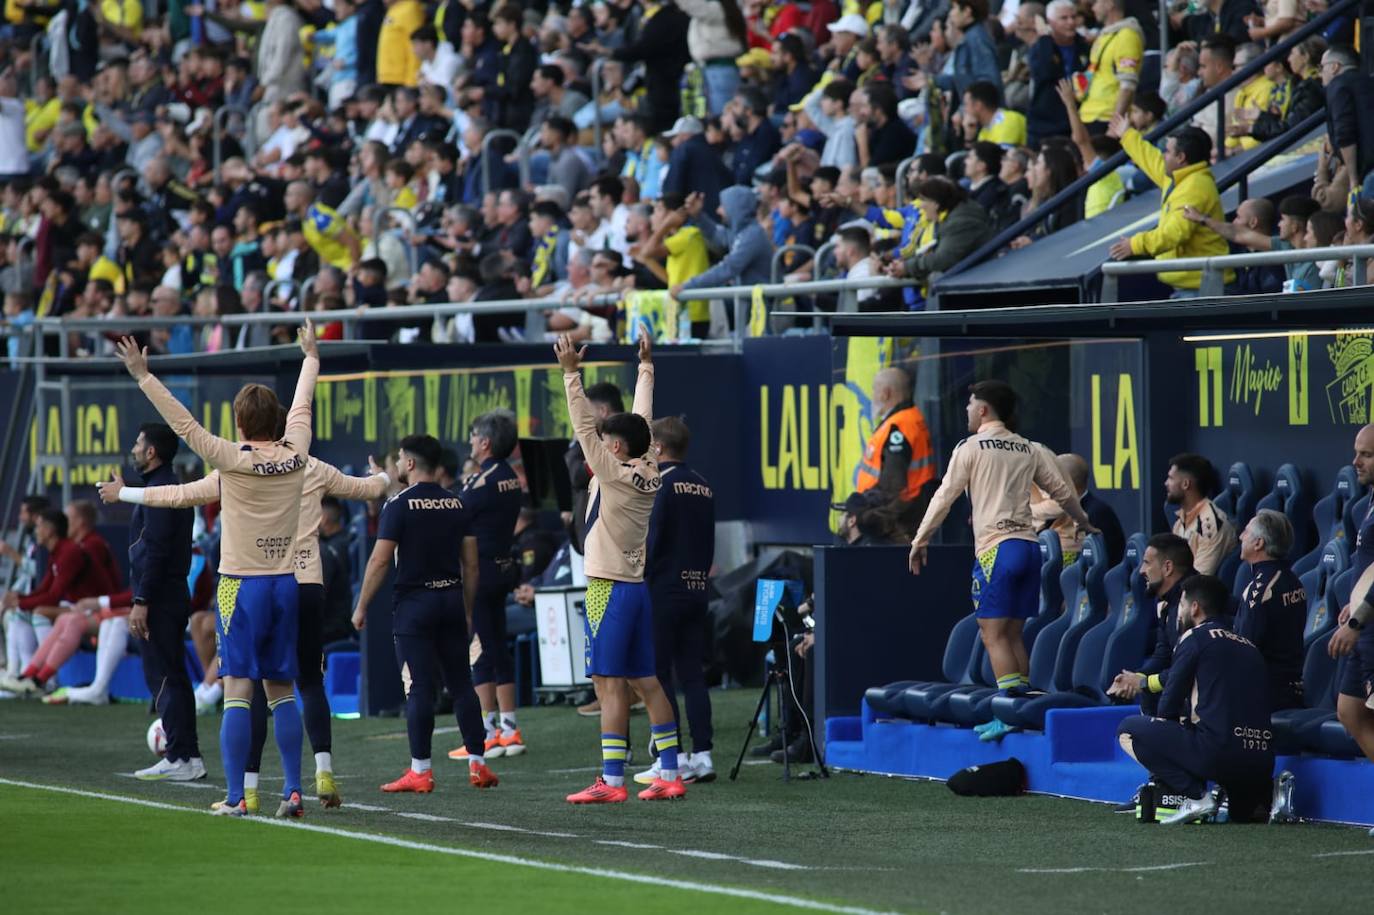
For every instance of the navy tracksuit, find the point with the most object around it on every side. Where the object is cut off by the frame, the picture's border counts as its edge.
(1358, 678)
(428, 523)
(492, 500)
(160, 560)
(1226, 736)
(1166, 640)
(1273, 614)
(681, 544)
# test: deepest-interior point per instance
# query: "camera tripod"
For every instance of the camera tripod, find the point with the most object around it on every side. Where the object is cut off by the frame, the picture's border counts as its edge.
(780, 678)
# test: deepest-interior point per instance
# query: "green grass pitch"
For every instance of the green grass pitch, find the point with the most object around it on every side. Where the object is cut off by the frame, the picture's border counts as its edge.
(851, 843)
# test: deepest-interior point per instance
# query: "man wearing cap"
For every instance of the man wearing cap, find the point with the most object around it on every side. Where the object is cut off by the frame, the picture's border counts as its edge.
(856, 521)
(845, 34)
(693, 165)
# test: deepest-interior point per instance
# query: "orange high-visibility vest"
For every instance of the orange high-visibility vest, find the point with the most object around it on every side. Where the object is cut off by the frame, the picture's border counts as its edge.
(911, 425)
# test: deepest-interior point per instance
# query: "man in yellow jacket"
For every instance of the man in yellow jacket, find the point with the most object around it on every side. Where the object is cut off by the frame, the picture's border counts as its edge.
(1184, 173)
(397, 64)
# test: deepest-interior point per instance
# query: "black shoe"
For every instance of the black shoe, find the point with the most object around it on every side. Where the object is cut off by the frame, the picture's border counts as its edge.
(1129, 806)
(768, 747)
(798, 752)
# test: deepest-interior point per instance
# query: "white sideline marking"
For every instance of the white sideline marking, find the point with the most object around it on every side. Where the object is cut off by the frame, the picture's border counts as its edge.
(400, 735)
(204, 786)
(1342, 854)
(15, 736)
(619, 844)
(1113, 870)
(624, 876)
(427, 817)
(370, 808)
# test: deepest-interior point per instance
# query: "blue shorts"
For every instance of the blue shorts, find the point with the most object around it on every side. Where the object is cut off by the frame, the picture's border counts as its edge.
(1357, 668)
(620, 629)
(1006, 581)
(257, 625)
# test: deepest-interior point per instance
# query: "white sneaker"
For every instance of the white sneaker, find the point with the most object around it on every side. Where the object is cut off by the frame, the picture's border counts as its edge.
(19, 686)
(84, 695)
(648, 775)
(165, 770)
(197, 768)
(1192, 810)
(698, 769)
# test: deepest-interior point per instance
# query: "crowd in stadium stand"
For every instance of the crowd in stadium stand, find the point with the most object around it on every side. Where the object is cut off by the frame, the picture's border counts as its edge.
(214, 159)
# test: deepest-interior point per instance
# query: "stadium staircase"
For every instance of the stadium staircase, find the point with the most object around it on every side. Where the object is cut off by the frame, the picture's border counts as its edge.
(1096, 621)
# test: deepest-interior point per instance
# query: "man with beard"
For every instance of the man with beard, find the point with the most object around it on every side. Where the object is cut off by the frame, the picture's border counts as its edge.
(1210, 535)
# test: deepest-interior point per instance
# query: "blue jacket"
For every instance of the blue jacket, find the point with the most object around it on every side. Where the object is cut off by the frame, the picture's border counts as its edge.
(975, 60)
(1048, 64)
(682, 535)
(749, 258)
(1215, 678)
(160, 547)
(694, 166)
(754, 150)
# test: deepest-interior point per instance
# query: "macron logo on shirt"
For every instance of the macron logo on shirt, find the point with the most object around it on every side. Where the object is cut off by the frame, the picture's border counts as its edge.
(276, 468)
(1002, 444)
(433, 503)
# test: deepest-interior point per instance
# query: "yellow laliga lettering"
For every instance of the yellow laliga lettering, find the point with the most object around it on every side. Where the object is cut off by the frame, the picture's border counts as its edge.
(826, 421)
(1102, 473)
(811, 474)
(787, 438)
(1127, 452)
(767, 471)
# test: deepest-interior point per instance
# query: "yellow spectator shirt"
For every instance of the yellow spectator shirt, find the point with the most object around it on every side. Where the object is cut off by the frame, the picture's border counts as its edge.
(125, 13)
(324, 230)
(1113, 62)
(687, 258)
(396, 60)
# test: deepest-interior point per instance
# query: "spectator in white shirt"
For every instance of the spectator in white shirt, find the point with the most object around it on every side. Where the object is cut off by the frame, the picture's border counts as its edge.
(439, 62)
(14, 155)
(852, 256)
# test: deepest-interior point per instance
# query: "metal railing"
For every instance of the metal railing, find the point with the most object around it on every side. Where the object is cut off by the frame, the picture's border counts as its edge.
(776, 271)
(1213, 269)
(522, 155)
(43, 328)
(217, 133)
(1215, 95)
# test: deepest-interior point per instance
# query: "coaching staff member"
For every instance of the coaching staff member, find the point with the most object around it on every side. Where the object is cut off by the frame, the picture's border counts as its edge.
(425, 530)
(1225, 737)
(681, 547)
(1273, 606)
(159, 562)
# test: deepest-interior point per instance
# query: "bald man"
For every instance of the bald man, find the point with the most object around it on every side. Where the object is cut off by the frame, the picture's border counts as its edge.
(1354, 634)
(1047, 514)
(899, 459)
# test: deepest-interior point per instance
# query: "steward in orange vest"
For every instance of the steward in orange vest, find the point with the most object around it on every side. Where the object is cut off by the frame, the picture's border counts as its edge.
(899, 459)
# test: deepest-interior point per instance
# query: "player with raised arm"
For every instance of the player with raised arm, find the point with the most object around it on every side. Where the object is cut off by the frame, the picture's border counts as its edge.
(425, 531)
(619, 621)
(996, 467)
(261, 479)
(321, 479)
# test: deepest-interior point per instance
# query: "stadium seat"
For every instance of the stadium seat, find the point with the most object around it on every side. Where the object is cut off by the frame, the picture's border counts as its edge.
(1239, 495)
(889, 701)
(1332, 738)
(1296, 730)
(973, 706)
(343, 682)
(1290, 498)
(1328, 517)
(920, 701)
(1114, 644)
(1052, 661)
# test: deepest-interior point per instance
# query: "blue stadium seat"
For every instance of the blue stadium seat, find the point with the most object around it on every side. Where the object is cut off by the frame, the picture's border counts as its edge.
(1328, 517)
(1239, 495)
(887, 701)
(1290, 498)
(1116, 643)
(974, 706)
(920, 701)
(1299, 729)
(1086, 605)
(1051, 596)
(343, 681)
